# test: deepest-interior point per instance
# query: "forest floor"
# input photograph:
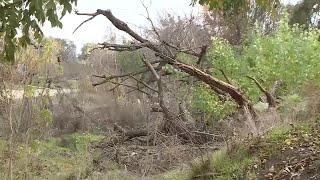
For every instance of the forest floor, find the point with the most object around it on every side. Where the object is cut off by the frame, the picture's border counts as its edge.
(285, 152)
(288, 153)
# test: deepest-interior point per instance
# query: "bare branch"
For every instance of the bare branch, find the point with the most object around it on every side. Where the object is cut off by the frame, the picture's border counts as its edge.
(131, 87)
(262, 89)
(119, 24)
(151, 22)
(110, 77)
(85, 21)
(187, 51)
(151, 68)
(160, 88)
(235, 93)
(116, 86)
(270, 98)
(121, 47)
(143, 83)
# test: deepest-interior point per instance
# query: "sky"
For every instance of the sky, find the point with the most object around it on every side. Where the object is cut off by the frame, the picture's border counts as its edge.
(130, 11)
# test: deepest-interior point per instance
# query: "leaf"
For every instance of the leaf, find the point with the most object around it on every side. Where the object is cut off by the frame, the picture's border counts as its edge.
(28, 16)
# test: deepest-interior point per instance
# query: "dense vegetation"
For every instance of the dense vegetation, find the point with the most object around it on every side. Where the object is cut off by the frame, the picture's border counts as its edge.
(214, 97)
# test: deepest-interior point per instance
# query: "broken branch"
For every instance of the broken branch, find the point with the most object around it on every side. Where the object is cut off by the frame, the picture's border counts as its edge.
(270, 99)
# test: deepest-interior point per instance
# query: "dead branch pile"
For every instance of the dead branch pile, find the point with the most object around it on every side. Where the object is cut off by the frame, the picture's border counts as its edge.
(145, 152)
(156, 137)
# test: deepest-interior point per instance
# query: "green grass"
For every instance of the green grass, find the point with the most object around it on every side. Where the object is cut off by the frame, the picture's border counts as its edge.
(281, 133)
(224, 164)
(55, 158)
(278, 134)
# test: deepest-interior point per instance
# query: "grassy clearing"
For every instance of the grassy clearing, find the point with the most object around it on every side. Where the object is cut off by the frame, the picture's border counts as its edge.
(61, 158)
(223, 164)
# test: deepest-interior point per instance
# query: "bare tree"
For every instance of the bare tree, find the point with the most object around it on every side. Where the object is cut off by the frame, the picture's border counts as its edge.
(165, 52)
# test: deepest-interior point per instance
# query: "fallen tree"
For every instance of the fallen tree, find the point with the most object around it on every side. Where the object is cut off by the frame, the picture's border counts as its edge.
(165, 51)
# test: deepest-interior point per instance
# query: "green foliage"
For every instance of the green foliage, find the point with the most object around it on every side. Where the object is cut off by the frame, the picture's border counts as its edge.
(28, 16)
(282, 134)
(29, 90)
(290, 55)
(293, 103)
(46, 115)
(224, 164)
(86, 50)
(278, 134)
(208, 102)
(130, 61)
(54, 158)
(80, 142)
(232, 6)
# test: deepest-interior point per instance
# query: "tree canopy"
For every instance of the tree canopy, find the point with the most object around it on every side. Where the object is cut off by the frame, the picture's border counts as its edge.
(228, 6)
(19, 18)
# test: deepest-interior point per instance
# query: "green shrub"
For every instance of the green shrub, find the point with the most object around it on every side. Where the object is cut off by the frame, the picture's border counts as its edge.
(290, 54)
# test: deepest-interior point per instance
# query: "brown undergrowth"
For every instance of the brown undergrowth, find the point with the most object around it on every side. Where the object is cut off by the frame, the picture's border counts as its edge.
(288, 153)
(285, 152)
(147, 157)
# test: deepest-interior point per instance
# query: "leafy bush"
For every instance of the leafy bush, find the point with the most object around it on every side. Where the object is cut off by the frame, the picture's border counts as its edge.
(290, 54)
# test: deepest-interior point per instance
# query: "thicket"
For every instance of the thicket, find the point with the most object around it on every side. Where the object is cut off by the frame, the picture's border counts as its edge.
(288, 55)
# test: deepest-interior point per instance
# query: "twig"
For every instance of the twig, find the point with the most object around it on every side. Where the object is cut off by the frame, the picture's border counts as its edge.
(187, 51)
(262, 89)
(225, 76)
(85, 21)
(121, 84)
(151, 22)
(205, 133)
(143, 83)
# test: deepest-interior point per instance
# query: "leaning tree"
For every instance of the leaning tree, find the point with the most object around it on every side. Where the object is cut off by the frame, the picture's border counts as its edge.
(166, 53)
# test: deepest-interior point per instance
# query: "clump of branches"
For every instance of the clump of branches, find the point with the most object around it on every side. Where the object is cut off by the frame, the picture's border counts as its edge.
(161, 49)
